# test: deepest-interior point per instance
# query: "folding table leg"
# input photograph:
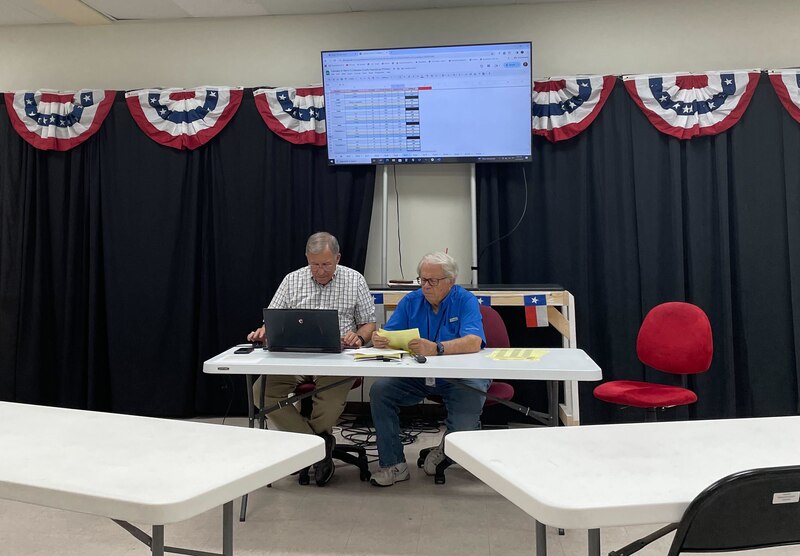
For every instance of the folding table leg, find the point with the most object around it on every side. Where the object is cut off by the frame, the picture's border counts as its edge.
(157, 544)
(251, 421)
(227, 529)
(594, 542)
(552, 401)
(541, 539)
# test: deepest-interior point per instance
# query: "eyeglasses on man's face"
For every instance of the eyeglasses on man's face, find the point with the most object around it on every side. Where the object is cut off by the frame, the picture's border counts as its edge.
(433, 282)
(321, 266)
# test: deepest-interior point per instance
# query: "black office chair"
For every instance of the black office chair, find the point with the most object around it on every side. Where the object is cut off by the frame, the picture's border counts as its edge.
(753, 509)
(348, 453)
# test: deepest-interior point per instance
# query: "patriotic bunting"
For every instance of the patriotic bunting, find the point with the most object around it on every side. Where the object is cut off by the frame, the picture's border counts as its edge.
(689, 105)
(535, 310)
(485, 300)
(787, 86)
(183, 118)
(58, 120)
(564, 107)
(297, 115)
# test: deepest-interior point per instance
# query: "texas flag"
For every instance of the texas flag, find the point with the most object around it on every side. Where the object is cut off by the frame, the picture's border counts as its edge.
(535, 310)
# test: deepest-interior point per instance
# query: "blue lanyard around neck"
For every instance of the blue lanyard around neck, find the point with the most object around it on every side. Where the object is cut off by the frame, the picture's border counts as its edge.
(439, 327)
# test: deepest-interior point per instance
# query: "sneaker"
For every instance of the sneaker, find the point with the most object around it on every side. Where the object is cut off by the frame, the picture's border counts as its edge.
(324, 469)
(388, 476)
(434, 458)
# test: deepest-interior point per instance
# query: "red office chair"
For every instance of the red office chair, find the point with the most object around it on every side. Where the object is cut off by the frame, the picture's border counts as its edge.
(496, 337)
(674, 338)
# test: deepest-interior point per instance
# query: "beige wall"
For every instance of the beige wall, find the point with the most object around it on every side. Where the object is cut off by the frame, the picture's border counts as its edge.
(601, 36)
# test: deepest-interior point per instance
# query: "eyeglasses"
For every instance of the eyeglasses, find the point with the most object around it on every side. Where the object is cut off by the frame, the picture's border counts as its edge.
(432, 281)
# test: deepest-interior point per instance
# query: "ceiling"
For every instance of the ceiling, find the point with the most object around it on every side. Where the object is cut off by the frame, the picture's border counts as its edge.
(104, 12)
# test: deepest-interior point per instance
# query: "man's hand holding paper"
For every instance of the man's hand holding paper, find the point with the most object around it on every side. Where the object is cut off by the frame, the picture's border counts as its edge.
(394, 339)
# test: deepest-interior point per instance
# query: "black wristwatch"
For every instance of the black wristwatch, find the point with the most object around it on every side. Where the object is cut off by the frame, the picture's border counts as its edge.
(439, 348)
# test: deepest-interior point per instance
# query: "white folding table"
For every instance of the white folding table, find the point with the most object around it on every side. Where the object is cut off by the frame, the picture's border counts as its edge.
(590, 477)
(140, 469)
(555, 366)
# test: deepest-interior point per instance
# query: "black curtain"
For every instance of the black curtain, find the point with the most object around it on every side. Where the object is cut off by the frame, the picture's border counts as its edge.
(125, 264)
(626, 217)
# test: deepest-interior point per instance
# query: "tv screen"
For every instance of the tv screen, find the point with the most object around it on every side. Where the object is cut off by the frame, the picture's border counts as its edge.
(467, 103)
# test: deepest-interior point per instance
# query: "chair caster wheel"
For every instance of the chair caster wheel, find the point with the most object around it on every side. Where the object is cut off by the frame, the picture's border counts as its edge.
(303, 477)
(439, 480)
(365, 476)
(420, 462)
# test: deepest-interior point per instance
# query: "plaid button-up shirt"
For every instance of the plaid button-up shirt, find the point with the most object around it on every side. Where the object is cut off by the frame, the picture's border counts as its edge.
(347, 292)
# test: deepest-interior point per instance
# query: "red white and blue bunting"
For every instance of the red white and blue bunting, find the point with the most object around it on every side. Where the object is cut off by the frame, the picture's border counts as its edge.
(183, 118)
(563, 107)
(58, 120)
(296, 115)
(787, 86)
(688, 105)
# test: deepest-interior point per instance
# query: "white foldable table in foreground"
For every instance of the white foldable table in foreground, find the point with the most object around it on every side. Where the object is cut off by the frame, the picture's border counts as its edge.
(590, 477)
(557, 365)
(140, 469)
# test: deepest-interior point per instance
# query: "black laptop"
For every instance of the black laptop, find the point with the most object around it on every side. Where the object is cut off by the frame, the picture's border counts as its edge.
(303, 330)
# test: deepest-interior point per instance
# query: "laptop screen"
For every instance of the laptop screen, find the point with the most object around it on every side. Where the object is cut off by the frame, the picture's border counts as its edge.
(303, 330)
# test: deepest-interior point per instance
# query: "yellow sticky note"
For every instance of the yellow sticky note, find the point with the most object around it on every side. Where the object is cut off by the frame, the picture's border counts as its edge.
(518, 354)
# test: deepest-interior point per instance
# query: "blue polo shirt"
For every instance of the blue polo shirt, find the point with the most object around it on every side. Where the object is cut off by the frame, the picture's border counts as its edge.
(459, 315)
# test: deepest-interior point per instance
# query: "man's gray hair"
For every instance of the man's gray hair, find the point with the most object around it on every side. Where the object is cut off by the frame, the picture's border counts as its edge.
(449, 264)
(318, 242)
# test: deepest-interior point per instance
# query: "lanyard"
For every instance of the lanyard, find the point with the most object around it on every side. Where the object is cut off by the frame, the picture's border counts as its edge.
(439, 327)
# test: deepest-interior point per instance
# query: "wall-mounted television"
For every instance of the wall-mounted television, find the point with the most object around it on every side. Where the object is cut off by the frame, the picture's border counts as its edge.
(433, 104)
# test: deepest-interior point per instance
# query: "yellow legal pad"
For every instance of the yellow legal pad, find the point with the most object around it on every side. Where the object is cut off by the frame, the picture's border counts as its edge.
(398, 339)
(518, 354)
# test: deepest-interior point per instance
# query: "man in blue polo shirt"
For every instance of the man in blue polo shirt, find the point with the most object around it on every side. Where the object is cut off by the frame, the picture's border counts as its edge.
(449, 321)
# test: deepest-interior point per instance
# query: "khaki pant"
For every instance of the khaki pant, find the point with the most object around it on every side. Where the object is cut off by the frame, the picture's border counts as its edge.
(327, 406)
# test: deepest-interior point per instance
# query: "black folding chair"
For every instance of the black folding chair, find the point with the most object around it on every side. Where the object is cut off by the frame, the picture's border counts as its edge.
(758, 508)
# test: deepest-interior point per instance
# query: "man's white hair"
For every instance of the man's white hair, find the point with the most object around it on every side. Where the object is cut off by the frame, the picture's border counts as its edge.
(448, 263)
(317, 243)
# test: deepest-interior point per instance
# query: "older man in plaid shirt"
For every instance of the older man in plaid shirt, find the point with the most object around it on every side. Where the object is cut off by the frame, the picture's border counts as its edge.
(323, 284)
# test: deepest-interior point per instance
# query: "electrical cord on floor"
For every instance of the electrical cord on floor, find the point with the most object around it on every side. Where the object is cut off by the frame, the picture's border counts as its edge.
(364, 436)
